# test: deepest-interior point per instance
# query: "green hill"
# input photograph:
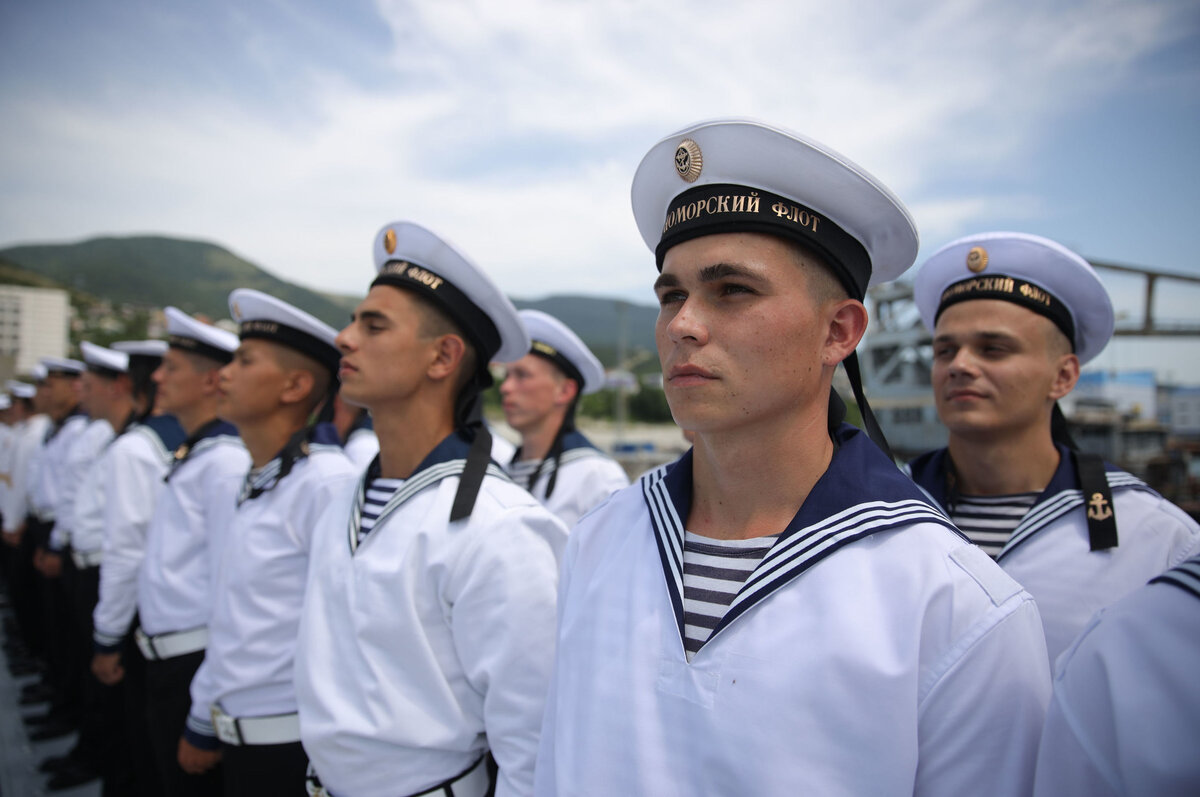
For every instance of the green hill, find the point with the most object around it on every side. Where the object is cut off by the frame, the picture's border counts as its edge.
(196, 276)
(156, 271)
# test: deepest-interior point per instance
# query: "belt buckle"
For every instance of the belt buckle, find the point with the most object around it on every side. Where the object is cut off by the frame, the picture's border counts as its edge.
(226, 727)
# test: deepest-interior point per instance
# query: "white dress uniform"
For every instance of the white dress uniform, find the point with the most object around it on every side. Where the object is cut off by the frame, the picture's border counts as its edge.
(76, 464)
(259, 590)
(427, 632)
(1125, 717)
(586, 477)
(1049, 554)
(46, 482)
(872, 651)
(183, 540)
(142, 456)
(29, 436)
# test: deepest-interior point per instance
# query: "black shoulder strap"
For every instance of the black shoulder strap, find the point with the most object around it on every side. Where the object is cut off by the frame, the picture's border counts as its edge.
(1097, 499)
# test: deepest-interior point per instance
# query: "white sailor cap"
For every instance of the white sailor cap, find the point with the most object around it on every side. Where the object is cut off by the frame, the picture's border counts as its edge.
(1028, 270)
(5, 401)
(62, 366)
(262, 316)
(411, 257)
(142, 348)
(38, 372)
(740, 175)
(555, 341)
(21, 390)
(104, 361)
(188, 334)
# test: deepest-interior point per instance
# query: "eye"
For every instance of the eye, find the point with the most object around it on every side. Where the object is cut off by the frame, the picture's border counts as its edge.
(736, 288)
(671, 296)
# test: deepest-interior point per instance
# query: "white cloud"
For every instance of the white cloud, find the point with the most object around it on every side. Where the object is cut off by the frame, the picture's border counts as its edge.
(514, 128)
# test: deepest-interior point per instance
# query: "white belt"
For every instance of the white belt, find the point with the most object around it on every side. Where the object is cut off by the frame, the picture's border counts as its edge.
(86, 559)
(276, 729)
(176, 643)
(472, 783)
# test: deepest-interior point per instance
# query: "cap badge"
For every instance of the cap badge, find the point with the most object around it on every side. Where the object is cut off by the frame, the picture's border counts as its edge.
(977, 259)
(389, 242)
(237, 311)
(688, 162)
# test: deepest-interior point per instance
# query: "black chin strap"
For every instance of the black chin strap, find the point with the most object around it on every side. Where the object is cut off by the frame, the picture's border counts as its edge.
(468, 414)
(1093, 483)
(870, 425)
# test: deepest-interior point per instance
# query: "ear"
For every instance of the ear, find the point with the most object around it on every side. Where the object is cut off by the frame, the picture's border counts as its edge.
(846, 323)
(1065, 377)
(298, 385)
(446, 354)
(567, 390)
(211, 381)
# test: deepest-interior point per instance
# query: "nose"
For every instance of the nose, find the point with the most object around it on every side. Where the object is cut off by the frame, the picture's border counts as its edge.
(688, 323)
(963, 363)
(344, 339)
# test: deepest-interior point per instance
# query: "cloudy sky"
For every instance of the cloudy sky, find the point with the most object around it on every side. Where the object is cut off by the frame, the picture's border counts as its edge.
(289, 132)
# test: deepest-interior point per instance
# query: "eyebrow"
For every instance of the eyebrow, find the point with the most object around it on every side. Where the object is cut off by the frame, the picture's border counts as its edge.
(985, 335)
(713, 273)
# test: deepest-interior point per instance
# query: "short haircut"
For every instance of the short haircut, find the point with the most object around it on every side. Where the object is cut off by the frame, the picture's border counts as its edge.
(291, 359)
(823, 281)
(435, 322)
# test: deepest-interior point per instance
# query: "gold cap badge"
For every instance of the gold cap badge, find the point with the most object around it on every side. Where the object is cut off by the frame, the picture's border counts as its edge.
(977, 259)
(688, 162)
(237, 311)
(389, 242)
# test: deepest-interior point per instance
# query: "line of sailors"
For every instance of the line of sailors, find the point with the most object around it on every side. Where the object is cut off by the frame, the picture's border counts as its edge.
(270, 615)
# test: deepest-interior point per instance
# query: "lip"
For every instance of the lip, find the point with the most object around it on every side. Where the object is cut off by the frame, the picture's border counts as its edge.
(688, 374)
(964, 395)
(345, 368)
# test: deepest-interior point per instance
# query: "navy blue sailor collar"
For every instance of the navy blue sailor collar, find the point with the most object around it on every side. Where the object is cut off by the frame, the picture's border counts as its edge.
(448, 458)
(202, 438)
(319, 436)
(1062, 494)
(833, 515)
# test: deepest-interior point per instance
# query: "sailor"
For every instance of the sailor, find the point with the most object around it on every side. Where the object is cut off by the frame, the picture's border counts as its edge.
(137, 461)
(1013, 317)
(428, 625)
(51, 495)
(780, 611)
(282, 373)
(1125, 715)
(540, 394)
(108, 400)
(184, 536)
(32, 427)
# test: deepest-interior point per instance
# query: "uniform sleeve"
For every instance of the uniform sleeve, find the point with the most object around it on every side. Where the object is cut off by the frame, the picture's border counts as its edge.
(502, 618)
(16, 503)
(546, 777)
(131, 500)
(980, 721)
(198, 729)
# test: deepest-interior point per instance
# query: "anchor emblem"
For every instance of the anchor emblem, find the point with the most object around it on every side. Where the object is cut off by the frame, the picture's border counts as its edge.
(1098, 508)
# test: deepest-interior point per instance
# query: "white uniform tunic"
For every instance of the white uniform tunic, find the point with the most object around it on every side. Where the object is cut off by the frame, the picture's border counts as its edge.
(47, 480)
(427, 635)
(183, 541)
(871, 652)
(77, 462)
(1050, 555)
(586, 476)
(248, 664)
(141, 458)
(1125, 717)
(28, 438)
(87, 527)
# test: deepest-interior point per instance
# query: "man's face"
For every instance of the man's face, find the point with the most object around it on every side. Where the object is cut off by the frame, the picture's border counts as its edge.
(250, 386)
(93, 396)
(995, 368)
(532, 388)
(739, 334)
(61, 394)
(180, 382)
(384, 356)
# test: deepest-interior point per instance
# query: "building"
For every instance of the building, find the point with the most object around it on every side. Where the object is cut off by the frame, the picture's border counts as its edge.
(33, 324)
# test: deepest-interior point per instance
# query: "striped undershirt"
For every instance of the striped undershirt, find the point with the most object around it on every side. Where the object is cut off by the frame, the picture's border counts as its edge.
(989, 520)
(713, 572)
(378, 493)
